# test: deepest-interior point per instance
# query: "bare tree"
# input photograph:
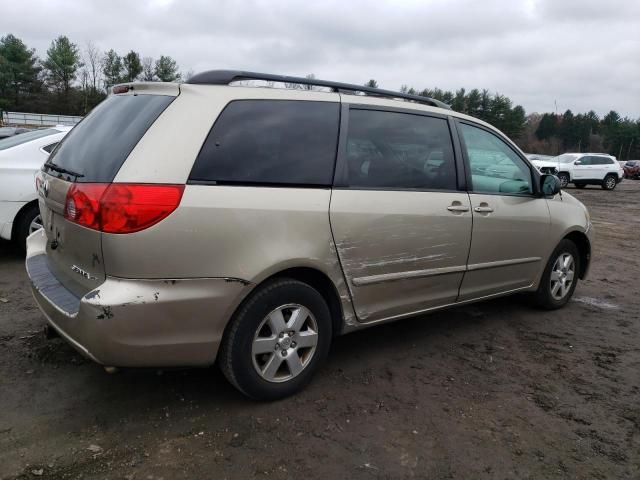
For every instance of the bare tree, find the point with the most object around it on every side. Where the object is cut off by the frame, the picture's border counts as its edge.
(148, 69)
(186, 76)
(311, 76)
(93, 67)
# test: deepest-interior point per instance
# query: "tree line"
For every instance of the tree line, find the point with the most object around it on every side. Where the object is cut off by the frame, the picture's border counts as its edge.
(548, 133)
(72, 80)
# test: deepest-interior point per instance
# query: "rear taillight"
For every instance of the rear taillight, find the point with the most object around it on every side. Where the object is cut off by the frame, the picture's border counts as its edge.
(82, 205)
(120, 207)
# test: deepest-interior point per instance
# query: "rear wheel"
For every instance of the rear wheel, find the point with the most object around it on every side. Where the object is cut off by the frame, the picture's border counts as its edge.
(609, 182)
(564, 179)
(29, 222)
(277, 340)
(560, 277)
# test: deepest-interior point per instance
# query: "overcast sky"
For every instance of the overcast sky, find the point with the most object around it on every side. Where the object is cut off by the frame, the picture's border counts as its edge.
(584, 54)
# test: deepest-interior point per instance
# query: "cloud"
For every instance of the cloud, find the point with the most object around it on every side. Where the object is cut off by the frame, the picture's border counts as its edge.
(581, 54)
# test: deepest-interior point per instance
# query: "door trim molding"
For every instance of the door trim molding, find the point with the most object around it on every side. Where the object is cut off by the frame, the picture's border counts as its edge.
(361, 324)
(431, 272)
(502, 263)
(390, 277)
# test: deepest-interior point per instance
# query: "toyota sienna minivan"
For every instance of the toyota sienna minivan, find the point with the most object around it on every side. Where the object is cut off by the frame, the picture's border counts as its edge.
(189, 224)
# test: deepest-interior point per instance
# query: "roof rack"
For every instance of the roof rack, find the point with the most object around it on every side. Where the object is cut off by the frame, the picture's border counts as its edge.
(225, 77)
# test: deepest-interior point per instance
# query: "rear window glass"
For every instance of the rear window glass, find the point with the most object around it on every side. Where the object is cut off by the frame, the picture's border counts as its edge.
(26, 137)
(279, 142)
(98, 146)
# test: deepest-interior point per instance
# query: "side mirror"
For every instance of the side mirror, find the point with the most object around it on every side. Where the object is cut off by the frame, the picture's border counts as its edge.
(577, 162)
(550, 185)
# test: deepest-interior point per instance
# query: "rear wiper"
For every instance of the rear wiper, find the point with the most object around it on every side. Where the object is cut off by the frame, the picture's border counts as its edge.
(58, 169)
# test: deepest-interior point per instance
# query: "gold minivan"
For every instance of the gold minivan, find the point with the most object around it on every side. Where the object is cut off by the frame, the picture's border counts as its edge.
(185, 224)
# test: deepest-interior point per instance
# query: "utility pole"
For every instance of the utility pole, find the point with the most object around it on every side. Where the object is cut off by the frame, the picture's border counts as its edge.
(629, 149)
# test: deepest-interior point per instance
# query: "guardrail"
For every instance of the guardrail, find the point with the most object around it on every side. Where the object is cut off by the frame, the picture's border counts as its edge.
(37, 119)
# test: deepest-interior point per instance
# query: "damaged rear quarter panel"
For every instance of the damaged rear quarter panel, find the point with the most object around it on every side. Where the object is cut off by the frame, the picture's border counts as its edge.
(238, 234)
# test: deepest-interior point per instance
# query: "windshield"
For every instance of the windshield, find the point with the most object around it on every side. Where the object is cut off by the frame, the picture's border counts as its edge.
(26, 137)
(566, 158)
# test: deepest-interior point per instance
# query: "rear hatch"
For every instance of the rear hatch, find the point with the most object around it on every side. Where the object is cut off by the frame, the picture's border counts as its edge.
(84, 165)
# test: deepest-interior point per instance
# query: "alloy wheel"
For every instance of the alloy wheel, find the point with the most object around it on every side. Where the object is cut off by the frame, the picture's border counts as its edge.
(562, 275)
(564, 180)
(36, 224)
(284, 343)
(610, 183)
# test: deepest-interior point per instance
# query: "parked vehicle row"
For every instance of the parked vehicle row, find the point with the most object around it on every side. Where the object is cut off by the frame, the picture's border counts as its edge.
(186, 224)
(582, 169)
(632, 169)
(21, 156)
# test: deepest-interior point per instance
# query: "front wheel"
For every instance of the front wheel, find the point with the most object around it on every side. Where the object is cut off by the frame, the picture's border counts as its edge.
(564, 179)
(609, 182)
(560, 277)
(277, 340)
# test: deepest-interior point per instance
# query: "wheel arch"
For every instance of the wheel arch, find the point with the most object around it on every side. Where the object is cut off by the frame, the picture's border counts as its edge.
(18, 217)
(584, 248)
(313, 277)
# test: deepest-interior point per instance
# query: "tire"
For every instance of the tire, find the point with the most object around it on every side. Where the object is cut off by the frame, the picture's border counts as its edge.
(564, 179)
(580, 185)
(28, 222)
(246, 357)
(609, 182)
(548, 296)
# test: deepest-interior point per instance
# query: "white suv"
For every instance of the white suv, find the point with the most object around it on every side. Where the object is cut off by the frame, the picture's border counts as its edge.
(583, 169)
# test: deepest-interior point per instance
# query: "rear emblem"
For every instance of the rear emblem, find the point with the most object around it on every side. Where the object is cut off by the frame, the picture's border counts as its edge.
(82, 272)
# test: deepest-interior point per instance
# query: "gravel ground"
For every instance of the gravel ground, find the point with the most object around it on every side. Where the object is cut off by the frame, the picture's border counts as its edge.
(492, 390)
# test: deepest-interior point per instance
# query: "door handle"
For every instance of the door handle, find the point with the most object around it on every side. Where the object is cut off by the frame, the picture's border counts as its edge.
(457, 208)
(483, 209)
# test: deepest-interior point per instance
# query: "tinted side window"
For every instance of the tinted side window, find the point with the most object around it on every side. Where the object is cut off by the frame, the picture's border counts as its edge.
(49, 148)
(601, 161)
(587, 161)
(271, 142)
(398, 150)
(495, 167)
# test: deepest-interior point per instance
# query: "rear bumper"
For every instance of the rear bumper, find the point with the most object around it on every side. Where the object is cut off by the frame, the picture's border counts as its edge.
(137, 323)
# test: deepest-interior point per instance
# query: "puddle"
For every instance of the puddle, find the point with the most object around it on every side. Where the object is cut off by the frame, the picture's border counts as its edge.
(594, 302)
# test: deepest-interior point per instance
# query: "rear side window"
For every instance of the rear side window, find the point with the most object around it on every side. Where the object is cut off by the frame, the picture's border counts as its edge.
(278, 142)
(49, 148)
(601, 161)
(399, 151)
(98, 146)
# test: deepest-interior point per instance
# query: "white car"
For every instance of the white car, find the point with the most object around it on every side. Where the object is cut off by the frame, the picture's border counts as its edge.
(583, 169)
(21, 157)
(544, 163)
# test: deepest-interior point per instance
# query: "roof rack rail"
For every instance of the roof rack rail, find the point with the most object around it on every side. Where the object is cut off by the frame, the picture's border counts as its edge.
(225, 77)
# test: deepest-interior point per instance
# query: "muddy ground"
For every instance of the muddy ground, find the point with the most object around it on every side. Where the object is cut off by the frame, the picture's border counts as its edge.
(493, 390)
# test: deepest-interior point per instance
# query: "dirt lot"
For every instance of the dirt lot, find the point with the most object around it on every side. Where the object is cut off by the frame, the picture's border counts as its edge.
(493, 390)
